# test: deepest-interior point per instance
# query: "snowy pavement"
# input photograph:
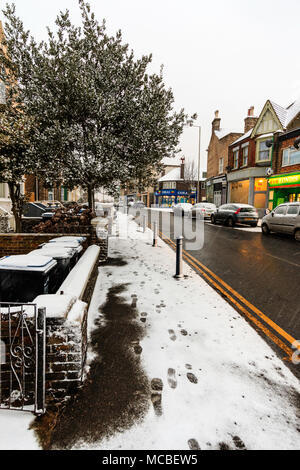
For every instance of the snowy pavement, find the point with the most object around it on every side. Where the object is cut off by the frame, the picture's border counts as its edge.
(15, 433)
(222, 385)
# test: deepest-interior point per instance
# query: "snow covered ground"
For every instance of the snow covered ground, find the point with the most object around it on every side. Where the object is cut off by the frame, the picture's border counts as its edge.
(223, 386)
(14, 431)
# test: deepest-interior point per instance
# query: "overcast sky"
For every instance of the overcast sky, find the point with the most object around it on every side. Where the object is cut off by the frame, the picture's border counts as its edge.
(220, 54)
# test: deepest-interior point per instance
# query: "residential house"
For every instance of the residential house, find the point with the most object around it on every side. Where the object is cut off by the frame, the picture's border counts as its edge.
(217, 161)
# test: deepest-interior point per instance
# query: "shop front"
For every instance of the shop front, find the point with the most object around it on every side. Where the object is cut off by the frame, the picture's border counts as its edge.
(284, 188)
(170, 197)
(249, 186)
(216, 192)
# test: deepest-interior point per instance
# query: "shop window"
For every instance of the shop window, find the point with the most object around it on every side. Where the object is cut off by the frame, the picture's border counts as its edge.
(240, 191)
(260, 184)
(262, 151)
(290, 156)
(260, 201)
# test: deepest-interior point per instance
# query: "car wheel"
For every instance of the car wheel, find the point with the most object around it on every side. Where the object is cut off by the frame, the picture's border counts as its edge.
(265, 229)
(213, 220)
(230, 222)
(297, 235)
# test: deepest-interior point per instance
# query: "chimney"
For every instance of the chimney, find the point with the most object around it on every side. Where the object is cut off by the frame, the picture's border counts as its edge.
(216, 122)
(182, 168)
(250, 120)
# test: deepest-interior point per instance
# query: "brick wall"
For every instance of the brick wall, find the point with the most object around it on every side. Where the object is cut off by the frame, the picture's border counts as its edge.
(219, 148)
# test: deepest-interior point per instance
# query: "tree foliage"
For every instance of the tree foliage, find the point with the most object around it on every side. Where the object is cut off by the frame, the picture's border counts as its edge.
(99, 118)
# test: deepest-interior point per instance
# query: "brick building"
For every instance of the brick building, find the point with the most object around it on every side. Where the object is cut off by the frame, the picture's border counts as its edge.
(257, 154)
(217, 161)
(178, 186)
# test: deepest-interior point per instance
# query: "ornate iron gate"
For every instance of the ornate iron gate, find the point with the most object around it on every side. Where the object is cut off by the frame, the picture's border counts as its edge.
(22, 357)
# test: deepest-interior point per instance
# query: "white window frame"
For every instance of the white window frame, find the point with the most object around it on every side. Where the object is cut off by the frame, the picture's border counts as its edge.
(289, 151)
(236, 152)
(258, 142)
(221, 165)
(244, 147)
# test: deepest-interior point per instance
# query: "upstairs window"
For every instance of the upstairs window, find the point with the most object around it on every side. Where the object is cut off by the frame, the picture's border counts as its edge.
(290, 156)
(245, 155)
(262, 152)
(221, 165)
(236, 159)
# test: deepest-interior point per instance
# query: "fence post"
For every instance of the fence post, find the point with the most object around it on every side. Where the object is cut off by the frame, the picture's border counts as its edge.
(144, 223)
(154, 234)
(179, 241)
(40, 354)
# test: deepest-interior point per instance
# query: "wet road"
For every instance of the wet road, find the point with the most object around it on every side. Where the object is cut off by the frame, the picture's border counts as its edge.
(264, 270)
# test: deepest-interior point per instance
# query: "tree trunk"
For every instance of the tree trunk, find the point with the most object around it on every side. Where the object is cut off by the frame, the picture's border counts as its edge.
(91, 199)
(17, 204)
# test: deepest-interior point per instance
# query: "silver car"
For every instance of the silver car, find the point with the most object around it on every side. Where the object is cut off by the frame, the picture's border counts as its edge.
(284, 219)
(203, 209)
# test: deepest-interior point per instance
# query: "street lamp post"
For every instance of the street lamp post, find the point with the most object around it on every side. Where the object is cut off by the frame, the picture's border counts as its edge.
(190, 123)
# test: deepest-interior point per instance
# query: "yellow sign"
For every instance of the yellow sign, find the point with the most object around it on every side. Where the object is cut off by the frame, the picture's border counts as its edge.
(288, 180)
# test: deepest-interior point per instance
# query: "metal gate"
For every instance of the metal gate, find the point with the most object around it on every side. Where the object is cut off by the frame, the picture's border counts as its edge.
(22, 357)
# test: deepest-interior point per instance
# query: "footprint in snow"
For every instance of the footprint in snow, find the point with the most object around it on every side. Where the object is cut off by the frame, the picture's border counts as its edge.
(157, 385)
(156, 402)
(238, 443)
(172, 335)
(184, 332)
(192, 378)
(193, 444)
(188, 366)
(172, 378)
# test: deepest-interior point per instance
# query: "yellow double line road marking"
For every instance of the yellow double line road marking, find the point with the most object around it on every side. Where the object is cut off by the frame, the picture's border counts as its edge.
(221, 285)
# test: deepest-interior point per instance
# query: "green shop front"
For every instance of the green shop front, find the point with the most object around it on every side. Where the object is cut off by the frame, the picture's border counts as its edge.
(169, 197)
(284, 188)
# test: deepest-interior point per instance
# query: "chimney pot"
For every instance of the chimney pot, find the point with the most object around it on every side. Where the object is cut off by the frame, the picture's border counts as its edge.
(216, 114)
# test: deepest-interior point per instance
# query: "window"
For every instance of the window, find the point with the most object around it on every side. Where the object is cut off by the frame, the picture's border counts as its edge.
(236, 159)
(50, 195)
(290, 156)
(263, 152)
(221, 165)
(169, 185)
(281, 210)
(245, 155)
(293, 210)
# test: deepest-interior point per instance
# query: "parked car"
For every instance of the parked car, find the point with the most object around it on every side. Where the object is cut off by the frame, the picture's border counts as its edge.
(284, 219)
(182, 208)
(235, 213)
(204, 209)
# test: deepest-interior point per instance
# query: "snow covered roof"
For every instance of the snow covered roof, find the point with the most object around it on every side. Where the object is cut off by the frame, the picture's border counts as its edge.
(173, 175)
(286, 115)
(244, 136)
(223, 132)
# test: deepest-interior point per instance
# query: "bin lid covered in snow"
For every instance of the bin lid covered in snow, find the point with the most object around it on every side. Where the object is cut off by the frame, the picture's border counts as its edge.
(73, 245)
(58, 253)
(67, 239)
(27, 263)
